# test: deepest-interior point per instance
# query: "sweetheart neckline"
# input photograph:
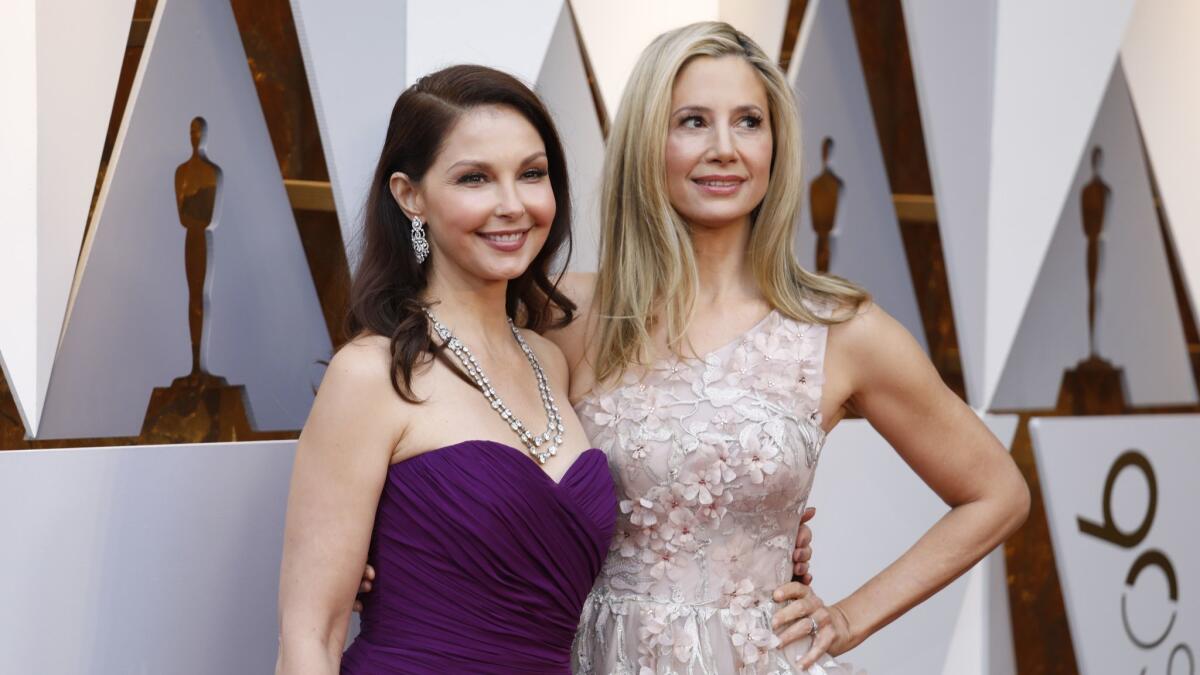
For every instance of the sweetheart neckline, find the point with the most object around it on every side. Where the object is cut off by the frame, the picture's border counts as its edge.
(519, 455)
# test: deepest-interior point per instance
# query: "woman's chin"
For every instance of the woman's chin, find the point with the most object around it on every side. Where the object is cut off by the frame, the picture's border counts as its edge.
(503, 272)
(717, 220)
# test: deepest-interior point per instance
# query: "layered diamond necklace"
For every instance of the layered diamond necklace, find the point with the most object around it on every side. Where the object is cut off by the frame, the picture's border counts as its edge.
(553, 435)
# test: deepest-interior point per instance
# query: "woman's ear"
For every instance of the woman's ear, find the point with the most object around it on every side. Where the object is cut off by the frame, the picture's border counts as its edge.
(405, 192)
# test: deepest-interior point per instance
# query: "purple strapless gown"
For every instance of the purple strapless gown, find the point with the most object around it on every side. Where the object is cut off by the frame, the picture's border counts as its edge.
(483, 562)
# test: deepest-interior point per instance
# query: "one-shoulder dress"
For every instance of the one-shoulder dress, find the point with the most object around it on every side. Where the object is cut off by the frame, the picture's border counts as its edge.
(483, 562)
(713, 459)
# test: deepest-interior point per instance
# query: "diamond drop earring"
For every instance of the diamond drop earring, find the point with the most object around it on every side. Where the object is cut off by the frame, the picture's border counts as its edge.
(419, 243)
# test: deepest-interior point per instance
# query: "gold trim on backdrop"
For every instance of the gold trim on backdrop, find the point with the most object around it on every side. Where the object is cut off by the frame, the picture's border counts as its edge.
(915, 208)
(309, 195)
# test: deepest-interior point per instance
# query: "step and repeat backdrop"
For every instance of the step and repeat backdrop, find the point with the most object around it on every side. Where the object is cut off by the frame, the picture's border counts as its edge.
(1122, 503)
(182, 183)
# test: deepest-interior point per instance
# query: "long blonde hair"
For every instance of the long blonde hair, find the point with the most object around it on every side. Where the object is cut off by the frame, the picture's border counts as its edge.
(647, 269)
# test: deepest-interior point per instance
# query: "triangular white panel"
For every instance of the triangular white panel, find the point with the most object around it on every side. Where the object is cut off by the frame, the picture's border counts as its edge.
(616, 31)
(18, 193)
(833, 102)
(1162, 59)
(563, 86)
(1052, 65)
(354, 59)
(871, 507)
(1001, 656)
(127, 328)
(952, 44)
(508, 35)
(61, 60)
(982, 639)
(762, 20)
(1133, 289)
(966, 652)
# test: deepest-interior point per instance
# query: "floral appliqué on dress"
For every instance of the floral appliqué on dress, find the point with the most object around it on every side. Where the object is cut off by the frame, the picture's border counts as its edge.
(713, 460)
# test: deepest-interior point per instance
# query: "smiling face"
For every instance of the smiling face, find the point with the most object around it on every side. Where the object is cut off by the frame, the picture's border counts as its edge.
(487, 199)
(719, 145)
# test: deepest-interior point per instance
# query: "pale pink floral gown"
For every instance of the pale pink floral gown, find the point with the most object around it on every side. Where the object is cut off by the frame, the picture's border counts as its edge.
(713, 460)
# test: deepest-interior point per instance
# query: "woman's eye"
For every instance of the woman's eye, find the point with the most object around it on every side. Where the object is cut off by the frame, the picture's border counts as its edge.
(692, 122)
(535, 174)
(472, 178)
(751, 121)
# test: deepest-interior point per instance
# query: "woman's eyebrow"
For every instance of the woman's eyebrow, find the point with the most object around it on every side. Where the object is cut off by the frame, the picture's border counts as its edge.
(691, 108)
(746, 107)
(480, 164)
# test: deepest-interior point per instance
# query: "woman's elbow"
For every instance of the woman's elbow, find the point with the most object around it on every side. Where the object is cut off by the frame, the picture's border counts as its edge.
(307, 646)
(1016, 500)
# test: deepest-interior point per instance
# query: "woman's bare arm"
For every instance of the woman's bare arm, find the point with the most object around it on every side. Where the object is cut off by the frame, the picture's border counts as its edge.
(341, 463)
(891, 383)
(572, 339)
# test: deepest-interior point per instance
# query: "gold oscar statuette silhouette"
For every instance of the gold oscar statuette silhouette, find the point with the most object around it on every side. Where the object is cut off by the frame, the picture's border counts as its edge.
(823, 196)
(199, 406)
(1094, 386)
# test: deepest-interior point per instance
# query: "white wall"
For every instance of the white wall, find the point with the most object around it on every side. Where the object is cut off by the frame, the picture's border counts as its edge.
(151, 559)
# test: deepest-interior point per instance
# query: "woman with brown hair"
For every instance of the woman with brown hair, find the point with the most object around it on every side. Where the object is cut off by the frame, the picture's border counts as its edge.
(436, 441)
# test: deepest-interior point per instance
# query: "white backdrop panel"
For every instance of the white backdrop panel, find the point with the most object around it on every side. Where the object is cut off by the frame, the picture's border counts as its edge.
(616, 31)
(1137, 323)
(981, 640)
(1052, 64)
(509, 35)
(1121, 502)
(354, 60)
(127, 330)
(18, 193)
(762, 20)
(952, 44)
(150, 559)
(51, 144)
(1162, 57)
(832, 96)
(871, 508)
(563, 86)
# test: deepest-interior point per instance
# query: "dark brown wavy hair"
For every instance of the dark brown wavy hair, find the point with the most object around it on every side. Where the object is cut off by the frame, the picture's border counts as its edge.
(385, 296)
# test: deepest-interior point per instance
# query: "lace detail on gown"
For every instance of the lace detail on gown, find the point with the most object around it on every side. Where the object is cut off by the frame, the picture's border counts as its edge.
(713, 459)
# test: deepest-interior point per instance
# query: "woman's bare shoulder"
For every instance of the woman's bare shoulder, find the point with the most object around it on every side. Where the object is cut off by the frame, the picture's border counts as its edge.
(579, 287)
(550, 356)
(356, 406)
(865, 328)
(365, 360)
(872, 348)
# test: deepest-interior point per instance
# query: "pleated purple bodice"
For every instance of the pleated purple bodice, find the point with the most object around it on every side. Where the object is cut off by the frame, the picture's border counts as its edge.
(482, 562)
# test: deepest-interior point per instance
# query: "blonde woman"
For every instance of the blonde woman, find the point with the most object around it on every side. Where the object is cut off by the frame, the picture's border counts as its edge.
(709, 366)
